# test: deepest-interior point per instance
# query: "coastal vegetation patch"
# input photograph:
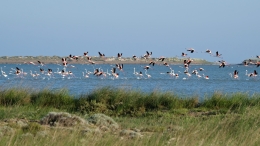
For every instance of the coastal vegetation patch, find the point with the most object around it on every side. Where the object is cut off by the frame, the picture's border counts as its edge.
(116, 116)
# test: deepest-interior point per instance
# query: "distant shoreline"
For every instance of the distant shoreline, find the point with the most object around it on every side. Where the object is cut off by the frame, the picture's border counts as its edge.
(97, 60)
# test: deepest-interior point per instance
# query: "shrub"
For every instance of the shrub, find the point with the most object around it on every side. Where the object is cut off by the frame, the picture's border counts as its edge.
(58, 99)
(14, 96)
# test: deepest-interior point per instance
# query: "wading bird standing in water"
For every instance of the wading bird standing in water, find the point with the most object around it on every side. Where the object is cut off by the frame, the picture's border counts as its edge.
(254, 74)
(235, 74)
(116, 75)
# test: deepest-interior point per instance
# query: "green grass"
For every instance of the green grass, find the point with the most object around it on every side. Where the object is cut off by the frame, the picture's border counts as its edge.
(122, 102)
(163, 118)
(167, 129)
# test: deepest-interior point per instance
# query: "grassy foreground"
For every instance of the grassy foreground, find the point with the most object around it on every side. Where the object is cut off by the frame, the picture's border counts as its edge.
(110, 116)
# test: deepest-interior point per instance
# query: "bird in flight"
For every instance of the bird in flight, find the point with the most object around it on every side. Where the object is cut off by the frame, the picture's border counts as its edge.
(152, 63)
(208, 51)
(147, 55)
(119, 55)
(119, 66)
(134, 57)
(191, 50)
(183, 54)
(85, 53)
(101, 55)
(161, 58)
(222, 63)
(217, 54)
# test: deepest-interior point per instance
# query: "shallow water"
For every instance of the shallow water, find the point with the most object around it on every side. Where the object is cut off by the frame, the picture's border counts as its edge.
(219, 78)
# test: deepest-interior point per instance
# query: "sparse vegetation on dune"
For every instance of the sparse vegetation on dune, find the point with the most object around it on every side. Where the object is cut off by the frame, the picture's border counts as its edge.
(109, 116)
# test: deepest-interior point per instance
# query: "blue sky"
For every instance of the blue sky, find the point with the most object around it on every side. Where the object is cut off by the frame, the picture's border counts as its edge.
(34, 28)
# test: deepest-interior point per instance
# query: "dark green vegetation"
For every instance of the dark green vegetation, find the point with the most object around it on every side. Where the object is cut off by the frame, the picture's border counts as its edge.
(156, 118)
(122, 102)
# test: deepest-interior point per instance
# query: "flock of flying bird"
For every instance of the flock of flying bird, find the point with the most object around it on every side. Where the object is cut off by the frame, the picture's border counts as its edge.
(151, 62)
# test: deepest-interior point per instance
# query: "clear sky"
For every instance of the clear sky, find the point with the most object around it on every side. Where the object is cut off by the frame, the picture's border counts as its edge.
(35, 28)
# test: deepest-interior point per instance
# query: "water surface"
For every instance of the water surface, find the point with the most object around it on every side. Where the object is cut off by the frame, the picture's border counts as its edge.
(219, 78)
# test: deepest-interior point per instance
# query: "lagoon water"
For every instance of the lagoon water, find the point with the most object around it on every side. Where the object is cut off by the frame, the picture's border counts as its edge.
(219, 79)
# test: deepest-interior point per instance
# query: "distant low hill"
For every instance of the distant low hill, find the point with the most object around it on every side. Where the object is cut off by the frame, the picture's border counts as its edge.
(250, 61)
(97, 60)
